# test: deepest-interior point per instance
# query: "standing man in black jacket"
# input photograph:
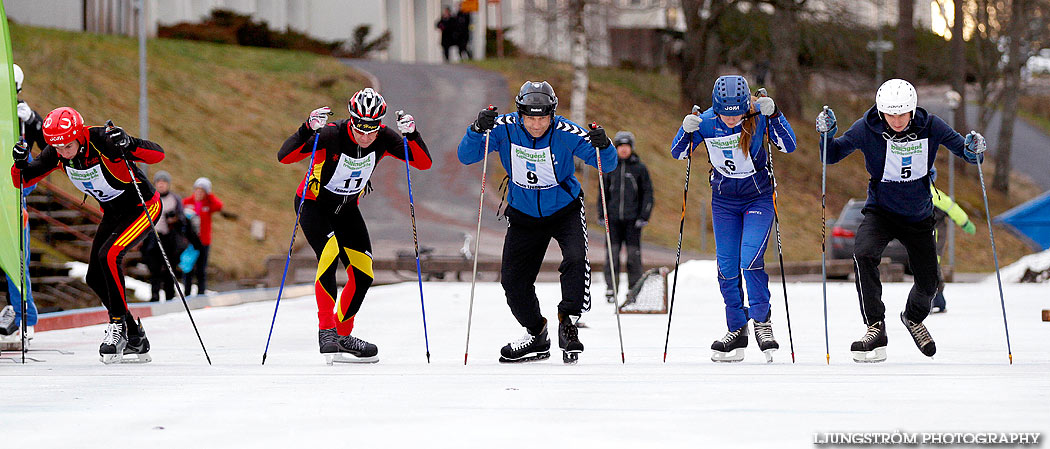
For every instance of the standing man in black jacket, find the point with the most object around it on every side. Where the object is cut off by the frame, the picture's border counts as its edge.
(630, 196)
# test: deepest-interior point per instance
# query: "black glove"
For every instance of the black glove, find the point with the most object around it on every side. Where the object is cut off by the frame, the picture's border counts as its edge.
(117, 137)
(486, 120)
(20, 154)
(597, 137)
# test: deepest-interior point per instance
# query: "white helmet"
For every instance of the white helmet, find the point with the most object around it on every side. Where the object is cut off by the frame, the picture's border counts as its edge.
(19, 76)
(896, 97)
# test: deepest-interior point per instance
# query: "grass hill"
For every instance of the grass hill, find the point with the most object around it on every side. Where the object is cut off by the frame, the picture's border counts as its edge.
(647, 104)
(222, 111)
(219, 111)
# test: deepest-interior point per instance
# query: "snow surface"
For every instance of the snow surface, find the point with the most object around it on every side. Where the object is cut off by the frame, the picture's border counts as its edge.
(295, 400)
(1014, 272)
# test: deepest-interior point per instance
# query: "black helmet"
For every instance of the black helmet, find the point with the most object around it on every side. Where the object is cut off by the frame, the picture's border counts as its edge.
(536, 99)
(624, 137)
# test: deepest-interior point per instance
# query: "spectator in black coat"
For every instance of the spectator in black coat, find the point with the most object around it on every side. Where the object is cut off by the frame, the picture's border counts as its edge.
(629, 193)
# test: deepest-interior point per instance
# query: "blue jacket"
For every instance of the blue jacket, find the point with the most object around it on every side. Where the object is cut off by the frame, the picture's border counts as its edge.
(900, 184)
(541, 170)
(734, 175)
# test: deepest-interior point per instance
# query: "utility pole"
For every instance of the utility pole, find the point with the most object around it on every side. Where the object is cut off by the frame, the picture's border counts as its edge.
(953, 98)
(140, 10)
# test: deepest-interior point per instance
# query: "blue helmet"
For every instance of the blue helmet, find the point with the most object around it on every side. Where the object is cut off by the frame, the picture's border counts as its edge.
(731, 96)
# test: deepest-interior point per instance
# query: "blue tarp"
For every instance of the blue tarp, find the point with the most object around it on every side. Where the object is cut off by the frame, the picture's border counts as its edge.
(1030, 221)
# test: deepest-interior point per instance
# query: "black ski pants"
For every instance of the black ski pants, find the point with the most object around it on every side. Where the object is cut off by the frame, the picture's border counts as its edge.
(523, 250)
(874, 233)
(624, 232)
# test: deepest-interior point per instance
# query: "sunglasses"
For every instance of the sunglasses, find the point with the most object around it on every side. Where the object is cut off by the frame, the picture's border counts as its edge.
(365, 126)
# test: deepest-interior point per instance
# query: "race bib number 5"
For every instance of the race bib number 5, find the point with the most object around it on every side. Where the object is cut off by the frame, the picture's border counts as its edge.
(905, 161)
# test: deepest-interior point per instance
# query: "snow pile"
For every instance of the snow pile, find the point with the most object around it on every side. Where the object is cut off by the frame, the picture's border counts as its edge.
(1038, 263)
(141, 290)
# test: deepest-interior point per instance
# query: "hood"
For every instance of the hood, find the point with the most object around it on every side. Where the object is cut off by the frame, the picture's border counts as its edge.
(919, 122)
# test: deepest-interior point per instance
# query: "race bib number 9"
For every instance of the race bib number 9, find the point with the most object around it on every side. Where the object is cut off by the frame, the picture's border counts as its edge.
(905, 161)
(352, 174)
(727, 157)
(533, 169)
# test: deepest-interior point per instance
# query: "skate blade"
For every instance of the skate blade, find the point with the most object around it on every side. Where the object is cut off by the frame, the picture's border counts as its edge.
(532, 357)
(736, 355)
(874, 356)
(769, 355)
(342, 357)
(570, 357)
(114, 359)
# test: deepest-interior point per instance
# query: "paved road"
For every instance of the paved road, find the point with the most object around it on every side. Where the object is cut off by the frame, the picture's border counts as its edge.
(1031, 146)
(445, 99)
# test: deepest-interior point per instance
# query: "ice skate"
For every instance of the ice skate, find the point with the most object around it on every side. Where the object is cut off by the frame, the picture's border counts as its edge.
(120, 342)
(939, 305)
(871, 348)
(569, 339)
(527, 349)
(13, 342)
(327, 341)
(764, 337)
(921, 336)
(731, 347)
(8, 325)
(137, 345)
(352, 350)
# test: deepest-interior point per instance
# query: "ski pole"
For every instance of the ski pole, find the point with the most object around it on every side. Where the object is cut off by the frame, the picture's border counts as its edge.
(22, 254)
(415, 240)
(477, 240)
(823, 237)
(995, 256)
(608, 243)
(295, 229)
(681, 231)
(164, 255)
(776, 223)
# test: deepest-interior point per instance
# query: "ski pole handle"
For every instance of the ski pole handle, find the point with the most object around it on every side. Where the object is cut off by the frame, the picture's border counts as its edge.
(696, 110)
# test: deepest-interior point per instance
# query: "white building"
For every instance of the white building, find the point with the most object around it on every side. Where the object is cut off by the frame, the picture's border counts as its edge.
(620, 30)
(414, 37)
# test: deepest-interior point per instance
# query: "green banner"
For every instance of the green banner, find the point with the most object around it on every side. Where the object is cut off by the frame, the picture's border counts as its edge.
(10, 200)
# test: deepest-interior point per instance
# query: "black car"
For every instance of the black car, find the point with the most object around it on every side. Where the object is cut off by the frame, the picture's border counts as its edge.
(844, 233)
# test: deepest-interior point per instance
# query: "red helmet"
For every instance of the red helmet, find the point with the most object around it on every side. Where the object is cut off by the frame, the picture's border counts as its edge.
(63, 125)
(367, 109)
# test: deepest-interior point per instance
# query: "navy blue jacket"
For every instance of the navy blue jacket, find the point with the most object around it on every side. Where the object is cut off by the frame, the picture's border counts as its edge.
(541, 169)
(729, 179)
(898, 185)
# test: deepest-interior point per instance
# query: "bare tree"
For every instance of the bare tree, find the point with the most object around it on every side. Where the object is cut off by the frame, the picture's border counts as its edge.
(785, 32)
(578, 31)
(907, 59)
(1028, 30)
(702, 50)
(958, 55)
